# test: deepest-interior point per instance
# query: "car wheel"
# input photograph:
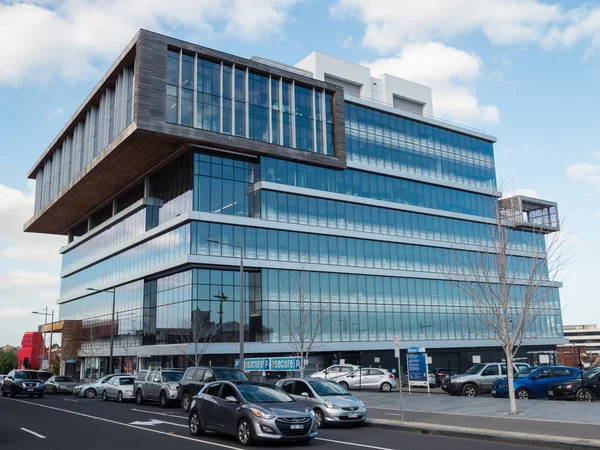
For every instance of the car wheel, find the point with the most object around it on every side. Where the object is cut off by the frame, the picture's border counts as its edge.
(584, 395)
(244, 432)
(55, 391)
(40, 395)
(186, 401)
(90, 393)
(195, 424)
(385, 387)
(120, 397)
(12, 392)
(469, 390)
(522, 394)
(319, 418)
(162, 400)
(4, 394)
(343, 384)
(105, 396)
(139, 397)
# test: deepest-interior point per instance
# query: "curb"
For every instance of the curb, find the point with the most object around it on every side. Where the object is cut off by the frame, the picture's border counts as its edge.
(536, 440)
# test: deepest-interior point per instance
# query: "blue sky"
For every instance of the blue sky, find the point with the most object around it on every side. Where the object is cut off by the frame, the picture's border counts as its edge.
(525, 71)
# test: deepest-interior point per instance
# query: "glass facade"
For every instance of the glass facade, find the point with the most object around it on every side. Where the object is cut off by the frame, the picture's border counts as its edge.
(236, 100)
(378, 187)
(392, 142)
(325, 213)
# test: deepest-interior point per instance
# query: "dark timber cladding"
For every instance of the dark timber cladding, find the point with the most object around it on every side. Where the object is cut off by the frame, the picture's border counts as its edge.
(149, 141)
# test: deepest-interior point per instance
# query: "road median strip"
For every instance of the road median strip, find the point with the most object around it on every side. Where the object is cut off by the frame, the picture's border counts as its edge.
(538, 440)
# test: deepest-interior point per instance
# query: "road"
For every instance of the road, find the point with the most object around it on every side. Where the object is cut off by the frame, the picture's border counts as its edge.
(65, 423)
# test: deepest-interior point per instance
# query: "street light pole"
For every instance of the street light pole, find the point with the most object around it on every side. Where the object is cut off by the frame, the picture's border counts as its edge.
(112, 324)
(241, 248)
(45, 314)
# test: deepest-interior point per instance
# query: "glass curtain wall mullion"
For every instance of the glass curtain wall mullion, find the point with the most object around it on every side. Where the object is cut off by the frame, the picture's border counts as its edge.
(179, 87)
(270, 111)
(221, 112)
(314, 120)
(195, 92)
(293, 114)
(280, 103)
(246, 104)
(233, 125)
(324, 122)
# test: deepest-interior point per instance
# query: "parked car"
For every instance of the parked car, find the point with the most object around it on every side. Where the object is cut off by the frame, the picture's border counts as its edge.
(44, 375)
(478, 379)
(367, 378)
(22, 382)
(575, 389)
(157, 385)
(534, 382)
(330, 401)
(195, 378)
(441, 373)
(91, 390)
(60, 385)
(119, 387)
(334, 371)
(2, 377)
(251, 411)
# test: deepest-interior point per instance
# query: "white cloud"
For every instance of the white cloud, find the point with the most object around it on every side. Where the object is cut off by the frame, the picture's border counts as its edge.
(56, 113)
(585, 172)
(451, 73)
(596, 154)
(391, 25)
(44, 39)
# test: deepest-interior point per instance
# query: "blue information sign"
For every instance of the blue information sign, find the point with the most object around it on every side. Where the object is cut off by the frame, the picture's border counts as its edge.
(417, 367)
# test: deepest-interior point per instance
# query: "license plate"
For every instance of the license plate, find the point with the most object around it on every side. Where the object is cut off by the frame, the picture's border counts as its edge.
(550, 393)
(493, 391)
(297, 427)
(29, 390)
(352, 415)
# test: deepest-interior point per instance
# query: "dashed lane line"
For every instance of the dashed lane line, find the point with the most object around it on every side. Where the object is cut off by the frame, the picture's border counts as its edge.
(34, 433)
(159, 414)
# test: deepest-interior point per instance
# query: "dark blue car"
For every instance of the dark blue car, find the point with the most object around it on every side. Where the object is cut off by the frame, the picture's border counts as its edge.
(534, 382)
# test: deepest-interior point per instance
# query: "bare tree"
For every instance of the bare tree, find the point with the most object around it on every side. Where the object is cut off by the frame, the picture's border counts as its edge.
(194, 336)
(511, 291)
(303, 318)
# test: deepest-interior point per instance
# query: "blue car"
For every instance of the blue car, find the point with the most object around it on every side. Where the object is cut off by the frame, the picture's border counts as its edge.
(533, 382)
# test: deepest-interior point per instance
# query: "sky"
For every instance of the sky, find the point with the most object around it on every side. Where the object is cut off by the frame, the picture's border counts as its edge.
(525, 71)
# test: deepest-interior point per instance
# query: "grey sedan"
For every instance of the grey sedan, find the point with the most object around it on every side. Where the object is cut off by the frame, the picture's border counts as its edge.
(251, 411)
(91, 390)
(331, 402)
(60, 385)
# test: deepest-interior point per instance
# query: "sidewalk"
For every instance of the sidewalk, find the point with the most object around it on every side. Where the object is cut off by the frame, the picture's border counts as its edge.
(541, 423)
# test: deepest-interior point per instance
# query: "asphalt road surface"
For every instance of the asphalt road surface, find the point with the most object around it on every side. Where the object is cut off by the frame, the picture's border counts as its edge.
(65, 423)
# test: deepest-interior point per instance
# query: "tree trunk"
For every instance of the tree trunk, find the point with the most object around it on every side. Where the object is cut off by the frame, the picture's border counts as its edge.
(511, 384)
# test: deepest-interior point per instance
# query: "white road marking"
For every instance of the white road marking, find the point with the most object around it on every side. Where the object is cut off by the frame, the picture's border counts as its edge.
(34, 433)
(159, 414)
(354, 444)
(69, 400)
(153, 422)
(150, 430)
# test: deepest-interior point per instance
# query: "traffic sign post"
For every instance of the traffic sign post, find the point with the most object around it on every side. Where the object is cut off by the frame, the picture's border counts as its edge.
(397, 355)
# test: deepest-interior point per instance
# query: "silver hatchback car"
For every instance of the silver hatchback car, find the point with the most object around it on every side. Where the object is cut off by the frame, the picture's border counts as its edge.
(330, 402)
(368, 378)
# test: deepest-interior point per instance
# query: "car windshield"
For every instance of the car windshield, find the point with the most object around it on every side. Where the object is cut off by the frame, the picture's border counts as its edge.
(229, 375)
(324, 388)
(475, 369)
(523, 372)
(25, 375)
(63, 379)
(591, 374)
(172, 376)
(126, 381)
(263, 394)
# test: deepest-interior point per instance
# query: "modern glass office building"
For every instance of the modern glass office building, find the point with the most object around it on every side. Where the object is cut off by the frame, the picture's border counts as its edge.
(315, 170)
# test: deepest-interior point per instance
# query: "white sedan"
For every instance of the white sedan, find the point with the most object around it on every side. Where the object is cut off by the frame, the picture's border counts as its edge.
(91, 390)
(120, 388)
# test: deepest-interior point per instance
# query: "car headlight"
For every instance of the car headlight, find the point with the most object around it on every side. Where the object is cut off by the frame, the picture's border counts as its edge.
(569, 386)
(193, 404)
(173, 388)
(458, 380)
(60, 386)
(261, 414)
(18, 383)
(504, 386)
(312, 413)
(362, 404)
(330, 405)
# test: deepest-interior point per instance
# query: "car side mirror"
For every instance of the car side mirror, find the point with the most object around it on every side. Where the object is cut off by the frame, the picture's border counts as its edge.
(533, 377)
(305, 394)
(9, 378)
(231, 399)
